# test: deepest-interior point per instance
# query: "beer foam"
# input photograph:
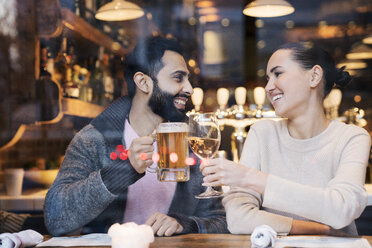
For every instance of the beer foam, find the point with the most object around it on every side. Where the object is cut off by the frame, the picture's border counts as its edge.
(172, 127)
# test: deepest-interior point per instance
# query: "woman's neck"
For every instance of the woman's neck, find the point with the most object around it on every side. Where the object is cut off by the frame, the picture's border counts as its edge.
(308, 125)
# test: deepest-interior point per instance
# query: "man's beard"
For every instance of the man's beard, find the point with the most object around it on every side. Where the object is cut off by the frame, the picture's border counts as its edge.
(162, 104)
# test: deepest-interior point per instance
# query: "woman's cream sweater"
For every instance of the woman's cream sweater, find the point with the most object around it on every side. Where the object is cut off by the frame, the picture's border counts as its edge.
(319, 179)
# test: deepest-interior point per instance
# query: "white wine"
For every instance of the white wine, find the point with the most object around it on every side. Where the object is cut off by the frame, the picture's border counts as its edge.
(204, 139)
(204, 147)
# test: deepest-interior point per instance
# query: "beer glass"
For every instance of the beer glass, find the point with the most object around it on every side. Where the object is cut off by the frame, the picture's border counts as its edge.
(173, 150)
(204, 139)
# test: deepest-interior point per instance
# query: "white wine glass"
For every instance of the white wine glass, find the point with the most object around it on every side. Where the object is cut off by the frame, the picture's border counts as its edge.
(205, 139)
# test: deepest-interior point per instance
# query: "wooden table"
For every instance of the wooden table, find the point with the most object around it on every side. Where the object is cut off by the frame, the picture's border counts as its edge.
(209, 241)
(205, 241)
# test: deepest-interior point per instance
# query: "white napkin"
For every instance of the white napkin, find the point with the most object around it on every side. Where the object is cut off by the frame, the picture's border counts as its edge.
(130, 235)
(21, 239)
(263, 236)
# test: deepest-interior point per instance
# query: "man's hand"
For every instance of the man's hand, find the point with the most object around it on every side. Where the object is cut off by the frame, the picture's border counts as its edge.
(140, 153)
(163, 225)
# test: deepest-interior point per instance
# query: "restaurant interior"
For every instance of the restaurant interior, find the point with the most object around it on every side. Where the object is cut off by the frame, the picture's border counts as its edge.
(61, 65)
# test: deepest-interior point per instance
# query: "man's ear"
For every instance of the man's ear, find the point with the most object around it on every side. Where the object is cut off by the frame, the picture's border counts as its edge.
(316, 76)
(142, 82)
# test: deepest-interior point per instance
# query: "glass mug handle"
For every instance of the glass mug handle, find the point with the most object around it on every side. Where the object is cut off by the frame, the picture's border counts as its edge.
(150, 169)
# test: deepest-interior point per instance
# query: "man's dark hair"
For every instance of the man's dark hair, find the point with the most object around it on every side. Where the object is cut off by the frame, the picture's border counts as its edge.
(146, 57)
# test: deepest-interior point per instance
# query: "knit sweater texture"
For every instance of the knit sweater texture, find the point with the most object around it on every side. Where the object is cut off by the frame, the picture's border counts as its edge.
(90, 190)
(319, 179)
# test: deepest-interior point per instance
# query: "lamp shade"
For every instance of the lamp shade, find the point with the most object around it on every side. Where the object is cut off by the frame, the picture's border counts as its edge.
(197, 98)
(268, 8)
(222, 97)
(368, 40)
(352, 64)
(259, 95)
(119, 10)
(360, 51)
(240, 95)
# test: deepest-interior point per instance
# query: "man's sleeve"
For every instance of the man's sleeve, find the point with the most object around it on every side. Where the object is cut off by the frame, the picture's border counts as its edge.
(80, 192)
(209, 217)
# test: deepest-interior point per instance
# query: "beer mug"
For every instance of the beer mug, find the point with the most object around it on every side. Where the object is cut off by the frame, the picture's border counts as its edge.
(173, 149)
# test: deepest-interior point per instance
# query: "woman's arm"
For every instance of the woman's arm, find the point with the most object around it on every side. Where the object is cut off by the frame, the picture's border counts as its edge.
(300, 227)
(309, 227)
(243, 213)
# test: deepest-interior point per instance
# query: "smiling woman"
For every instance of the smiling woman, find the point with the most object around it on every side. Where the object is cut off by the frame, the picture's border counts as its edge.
(320, 163)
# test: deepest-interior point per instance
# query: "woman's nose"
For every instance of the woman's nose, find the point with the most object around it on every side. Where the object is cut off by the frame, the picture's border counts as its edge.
(269, 86)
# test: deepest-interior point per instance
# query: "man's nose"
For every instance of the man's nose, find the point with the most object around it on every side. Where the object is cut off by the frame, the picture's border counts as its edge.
(187, 87)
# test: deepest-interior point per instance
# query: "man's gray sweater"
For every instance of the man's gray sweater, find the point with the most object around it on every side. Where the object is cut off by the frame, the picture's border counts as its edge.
(90, 190)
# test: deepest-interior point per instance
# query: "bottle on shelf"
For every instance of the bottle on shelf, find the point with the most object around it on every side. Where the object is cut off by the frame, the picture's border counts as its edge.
(90, 9)
(95, 81)
(108, 81)
(86, 92)
(61, 64)
(46, 91)
(69, 86)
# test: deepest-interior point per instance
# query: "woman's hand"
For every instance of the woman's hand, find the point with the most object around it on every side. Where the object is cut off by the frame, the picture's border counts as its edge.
(219, 171)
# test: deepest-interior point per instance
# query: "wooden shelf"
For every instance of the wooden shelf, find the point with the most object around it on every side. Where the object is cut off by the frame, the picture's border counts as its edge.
(87, 31)
(80, 108)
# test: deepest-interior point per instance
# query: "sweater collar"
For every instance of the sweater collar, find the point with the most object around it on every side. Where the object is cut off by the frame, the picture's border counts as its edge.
(110, 123)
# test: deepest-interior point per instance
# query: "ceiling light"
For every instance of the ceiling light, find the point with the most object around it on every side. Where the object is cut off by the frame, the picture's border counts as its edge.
(204, 4)
(119, 10)
(352, 64)
(368, 40)
(360, 51)
(268, 8)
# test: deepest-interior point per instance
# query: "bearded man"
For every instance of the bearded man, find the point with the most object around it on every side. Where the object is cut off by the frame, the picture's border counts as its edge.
(95, 189)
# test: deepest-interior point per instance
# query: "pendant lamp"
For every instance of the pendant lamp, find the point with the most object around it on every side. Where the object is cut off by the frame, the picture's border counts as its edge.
(352, 64)
(360, 51)
(368, 40)
(268, 8)
(119, 10)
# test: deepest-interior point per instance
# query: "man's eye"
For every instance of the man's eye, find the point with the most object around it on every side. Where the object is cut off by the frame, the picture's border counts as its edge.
(179, 78)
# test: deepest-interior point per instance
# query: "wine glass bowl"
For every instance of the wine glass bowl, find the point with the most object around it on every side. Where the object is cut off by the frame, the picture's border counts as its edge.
(204, 140)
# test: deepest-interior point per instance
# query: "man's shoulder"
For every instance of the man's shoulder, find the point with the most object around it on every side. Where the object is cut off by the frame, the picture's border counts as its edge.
(117, 109)
(112, 118)
(87, 134)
